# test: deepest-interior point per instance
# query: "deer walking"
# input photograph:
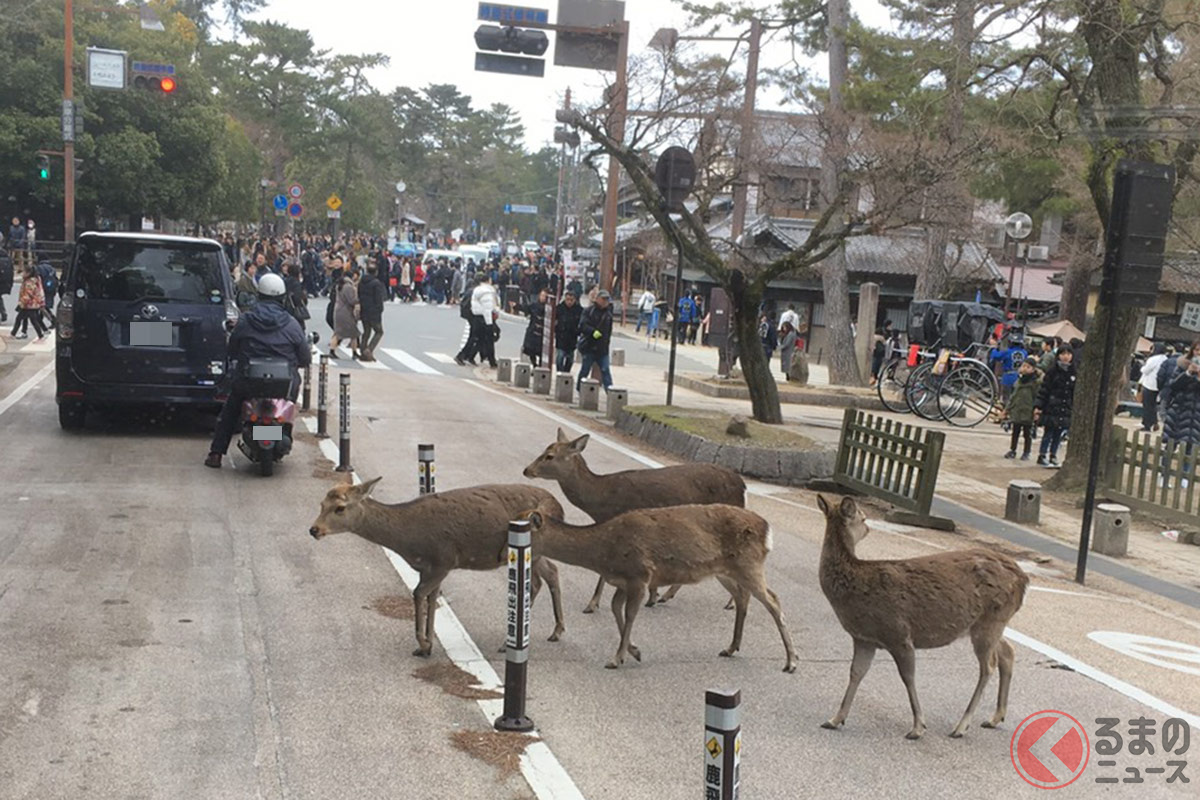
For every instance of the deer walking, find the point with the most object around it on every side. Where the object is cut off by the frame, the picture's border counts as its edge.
(437, 533)
(918, 603)
(676, 545)
(603, 497)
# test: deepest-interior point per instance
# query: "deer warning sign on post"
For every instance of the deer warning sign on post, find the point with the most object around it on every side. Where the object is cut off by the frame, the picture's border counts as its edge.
(516, 640)
(722, 744)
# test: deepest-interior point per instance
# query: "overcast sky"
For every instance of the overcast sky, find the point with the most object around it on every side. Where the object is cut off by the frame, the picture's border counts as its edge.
(431, 41)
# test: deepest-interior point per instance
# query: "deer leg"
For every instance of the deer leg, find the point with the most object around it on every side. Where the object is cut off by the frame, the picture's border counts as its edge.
(652, 599)
(985, 652)
(667, 595)
(863, 654)
(594, 603)
(1004, 660)
(741, 597)
(431, 604)
(424, 597)
(545, 569)
(633, 601)
(906, 663)
(771, 601)
(618, 610)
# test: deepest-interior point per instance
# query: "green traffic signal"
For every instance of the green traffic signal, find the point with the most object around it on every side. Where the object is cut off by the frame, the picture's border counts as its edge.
(44, 168)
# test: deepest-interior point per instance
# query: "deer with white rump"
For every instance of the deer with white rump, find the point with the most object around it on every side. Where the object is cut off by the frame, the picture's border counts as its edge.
(603, 497)
(918, 603)
(437, 533)
(676, 545)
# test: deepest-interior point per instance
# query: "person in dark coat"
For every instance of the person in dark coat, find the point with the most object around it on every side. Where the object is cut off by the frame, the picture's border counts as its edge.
(1053, 405)
(536, 329)
(6, 282)
(372, 294)
(566, 331)
(1166, 372)
(595, 334)
(1019, 410)
(1181, 423)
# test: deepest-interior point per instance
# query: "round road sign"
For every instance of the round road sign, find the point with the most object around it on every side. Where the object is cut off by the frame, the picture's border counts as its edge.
(295, 209)
(295, 191)
(280, 202)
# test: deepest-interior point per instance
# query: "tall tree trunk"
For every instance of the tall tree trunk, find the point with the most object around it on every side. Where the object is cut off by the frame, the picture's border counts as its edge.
(745, 299)
(1077, 286)
(1114, 42)
(931, 280)
(843, 366)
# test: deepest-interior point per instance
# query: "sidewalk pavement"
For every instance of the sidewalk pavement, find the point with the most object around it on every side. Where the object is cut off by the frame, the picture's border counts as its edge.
(974, 477)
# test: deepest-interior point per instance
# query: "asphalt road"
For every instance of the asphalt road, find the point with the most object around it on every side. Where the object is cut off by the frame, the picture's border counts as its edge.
(171, 631)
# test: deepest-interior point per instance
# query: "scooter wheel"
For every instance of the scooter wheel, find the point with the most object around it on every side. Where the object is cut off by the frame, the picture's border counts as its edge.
(266, 466)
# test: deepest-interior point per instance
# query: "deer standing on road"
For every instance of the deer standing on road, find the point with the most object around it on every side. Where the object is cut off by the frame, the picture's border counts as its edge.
(603, 497)
(437, 533)
(676, 545)
(918, 603)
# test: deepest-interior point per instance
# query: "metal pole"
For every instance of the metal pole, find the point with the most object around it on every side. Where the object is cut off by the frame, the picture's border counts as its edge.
(722, 744)
(322, 401)
(516, 643)
(1089, 498)
(608, 239)
(344, 423)
(69, 108)
(425, 469)
(675, 325)
(746, 136)
(306, 397)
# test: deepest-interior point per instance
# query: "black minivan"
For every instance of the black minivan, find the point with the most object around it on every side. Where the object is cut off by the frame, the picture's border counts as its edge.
(144, 319)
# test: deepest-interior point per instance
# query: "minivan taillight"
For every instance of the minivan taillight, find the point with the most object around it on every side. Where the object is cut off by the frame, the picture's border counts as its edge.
(66, 318)
(231, 315)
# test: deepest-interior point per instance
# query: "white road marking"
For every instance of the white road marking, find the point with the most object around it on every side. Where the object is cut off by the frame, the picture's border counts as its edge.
(442, 357)
(374, 365)
(543, 772)
(25, 388)
(1146, 648)
(45, 346)
(1116, 684)
(410, 361)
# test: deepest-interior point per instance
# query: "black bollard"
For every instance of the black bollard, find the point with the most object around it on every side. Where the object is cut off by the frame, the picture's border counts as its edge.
(322, 401)
(306, 397)
(722, 744)
(516, 652)
(425, 469)
(344, 424)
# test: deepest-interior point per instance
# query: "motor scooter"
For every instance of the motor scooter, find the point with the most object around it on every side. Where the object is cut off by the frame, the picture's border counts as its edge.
(269, 411)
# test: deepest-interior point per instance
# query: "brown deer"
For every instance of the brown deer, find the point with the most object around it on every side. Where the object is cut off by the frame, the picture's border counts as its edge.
(603, 497)
(676, 545)
(918, 603)
(437, 533)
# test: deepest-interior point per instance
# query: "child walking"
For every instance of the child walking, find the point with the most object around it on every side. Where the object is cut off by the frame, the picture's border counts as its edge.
(1020, 407)
(1053, 405)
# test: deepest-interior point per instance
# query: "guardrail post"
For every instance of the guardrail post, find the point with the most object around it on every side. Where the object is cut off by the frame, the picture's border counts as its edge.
(322, 398)
(425, 469)
(306, 395)
(722, 744)
(344, 424)
(516, 650)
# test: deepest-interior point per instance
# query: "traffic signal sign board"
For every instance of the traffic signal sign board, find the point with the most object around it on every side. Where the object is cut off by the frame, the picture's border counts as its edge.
(510, 48)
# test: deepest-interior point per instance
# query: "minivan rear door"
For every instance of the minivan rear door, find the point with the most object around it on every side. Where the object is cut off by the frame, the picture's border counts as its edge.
(149, 311)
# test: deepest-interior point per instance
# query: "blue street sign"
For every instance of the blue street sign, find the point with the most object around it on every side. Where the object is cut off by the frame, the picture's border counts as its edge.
(280, 202)
(513, 15)
(508, 208)
(295, 209)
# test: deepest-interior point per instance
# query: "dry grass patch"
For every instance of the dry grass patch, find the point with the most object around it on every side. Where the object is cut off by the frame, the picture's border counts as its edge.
(501, 750)
(395, 606)
(711, 425)
(453, 680)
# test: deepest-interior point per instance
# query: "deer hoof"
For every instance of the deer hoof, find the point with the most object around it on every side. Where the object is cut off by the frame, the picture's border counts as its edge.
(611, 665)
(651, 603)
(991, 723)
(423, 652)
(789, 667)
(830, 725)
(636, 653)
(589, 610)
(727, 653)
(554, 637)
(915, 733)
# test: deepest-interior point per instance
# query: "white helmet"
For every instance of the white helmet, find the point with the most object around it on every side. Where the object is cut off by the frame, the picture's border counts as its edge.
(271, 285)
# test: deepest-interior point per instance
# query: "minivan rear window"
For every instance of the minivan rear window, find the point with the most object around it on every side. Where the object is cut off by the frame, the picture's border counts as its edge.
(138, 270)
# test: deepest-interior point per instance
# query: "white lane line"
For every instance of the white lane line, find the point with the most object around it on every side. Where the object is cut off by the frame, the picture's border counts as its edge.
(1117, 685)
(25, 388)
(543, 772)
(374, 365)
(1114, 683)
(410, 361)
(442, 357)
(45, 346)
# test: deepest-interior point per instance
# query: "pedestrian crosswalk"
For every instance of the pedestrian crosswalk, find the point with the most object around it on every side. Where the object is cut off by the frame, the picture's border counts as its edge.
(390, 359)
(29, 346)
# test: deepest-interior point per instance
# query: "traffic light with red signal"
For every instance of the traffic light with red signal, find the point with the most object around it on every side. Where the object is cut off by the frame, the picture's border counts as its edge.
(154, 77)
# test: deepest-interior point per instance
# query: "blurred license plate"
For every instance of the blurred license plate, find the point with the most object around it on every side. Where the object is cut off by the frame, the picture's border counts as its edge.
(268, 433)
(150, 334)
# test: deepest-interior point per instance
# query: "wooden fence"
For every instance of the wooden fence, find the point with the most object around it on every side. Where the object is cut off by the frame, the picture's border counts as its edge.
(891, 460)
(1149, 473)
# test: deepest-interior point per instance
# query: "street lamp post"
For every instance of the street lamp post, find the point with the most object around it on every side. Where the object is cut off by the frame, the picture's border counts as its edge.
(69, 108)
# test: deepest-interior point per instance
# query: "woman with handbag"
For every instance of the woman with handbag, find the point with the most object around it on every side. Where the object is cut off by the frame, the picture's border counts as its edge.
(345, 316)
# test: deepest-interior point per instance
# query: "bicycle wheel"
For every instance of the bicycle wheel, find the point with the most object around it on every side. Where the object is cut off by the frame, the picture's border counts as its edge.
(921, 391)
(968, 394)
(890, 385)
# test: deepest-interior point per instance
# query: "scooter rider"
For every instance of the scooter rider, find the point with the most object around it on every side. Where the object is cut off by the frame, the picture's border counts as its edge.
(267, 330)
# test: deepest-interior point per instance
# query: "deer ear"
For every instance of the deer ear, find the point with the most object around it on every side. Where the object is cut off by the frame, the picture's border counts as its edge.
(849, 508)
(562, 437)
(580, 443)
(823, 504)
(535, 520)
(365, 489)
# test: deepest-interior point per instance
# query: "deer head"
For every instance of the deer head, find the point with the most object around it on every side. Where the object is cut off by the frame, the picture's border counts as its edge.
(342, 509)
(557, 460)
(536, 521)
(844, 520)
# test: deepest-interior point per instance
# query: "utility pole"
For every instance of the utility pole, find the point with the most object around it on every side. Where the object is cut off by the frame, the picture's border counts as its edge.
(620, 103)
(558, 203)
(68, 111)
(746, 138)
